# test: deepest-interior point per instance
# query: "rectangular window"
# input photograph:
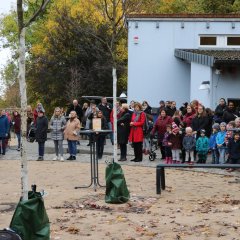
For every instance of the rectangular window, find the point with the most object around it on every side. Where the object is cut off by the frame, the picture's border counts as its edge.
(233, 41)
(204, 41)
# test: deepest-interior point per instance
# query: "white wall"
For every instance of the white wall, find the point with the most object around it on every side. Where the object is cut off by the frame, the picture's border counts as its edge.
(200, 73)
(226, 85)
(153, 71)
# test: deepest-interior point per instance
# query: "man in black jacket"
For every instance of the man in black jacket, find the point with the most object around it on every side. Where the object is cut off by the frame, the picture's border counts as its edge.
(106, 109)
(77, 108)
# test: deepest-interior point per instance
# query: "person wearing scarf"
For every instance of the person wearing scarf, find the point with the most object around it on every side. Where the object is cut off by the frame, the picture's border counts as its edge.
(136, 131)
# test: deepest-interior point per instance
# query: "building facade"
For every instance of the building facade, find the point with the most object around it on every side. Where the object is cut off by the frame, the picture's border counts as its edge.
(184, 57)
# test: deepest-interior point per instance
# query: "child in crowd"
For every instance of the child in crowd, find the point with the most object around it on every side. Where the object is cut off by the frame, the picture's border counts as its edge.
(234, 149)
(175, 143)
(189, 144)
(220, 142)
(228, 136)
(213, 144)
(167, 145)
(202, 146)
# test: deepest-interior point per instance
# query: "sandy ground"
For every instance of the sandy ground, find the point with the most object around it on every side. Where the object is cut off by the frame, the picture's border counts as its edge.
(195, 205)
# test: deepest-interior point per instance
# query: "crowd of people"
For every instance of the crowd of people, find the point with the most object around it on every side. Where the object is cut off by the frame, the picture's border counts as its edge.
(187, 134)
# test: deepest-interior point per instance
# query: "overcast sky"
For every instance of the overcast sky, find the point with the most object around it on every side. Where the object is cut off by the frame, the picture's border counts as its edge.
(5, 6)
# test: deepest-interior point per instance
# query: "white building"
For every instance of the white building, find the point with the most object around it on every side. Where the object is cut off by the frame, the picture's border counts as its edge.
(170, 56)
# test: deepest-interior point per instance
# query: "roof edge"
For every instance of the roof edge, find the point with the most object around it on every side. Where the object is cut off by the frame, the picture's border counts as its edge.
(183, 15)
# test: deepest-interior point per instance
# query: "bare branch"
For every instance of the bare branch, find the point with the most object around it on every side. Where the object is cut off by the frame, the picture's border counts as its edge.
(38, 12)
(106, 10)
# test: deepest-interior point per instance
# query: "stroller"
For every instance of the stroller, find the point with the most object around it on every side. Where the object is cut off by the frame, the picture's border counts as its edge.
(31, 137)
(153, 147)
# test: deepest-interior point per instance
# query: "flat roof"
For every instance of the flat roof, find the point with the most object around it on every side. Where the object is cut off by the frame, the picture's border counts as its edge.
(208, 57)
(185, 16)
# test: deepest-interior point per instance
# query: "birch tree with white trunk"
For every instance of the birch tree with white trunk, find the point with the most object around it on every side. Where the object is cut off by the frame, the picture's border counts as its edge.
(22, 25)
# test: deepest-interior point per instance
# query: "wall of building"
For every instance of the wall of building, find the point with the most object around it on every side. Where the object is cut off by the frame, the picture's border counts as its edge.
(153, 71)
(200, 73)
(226, 85)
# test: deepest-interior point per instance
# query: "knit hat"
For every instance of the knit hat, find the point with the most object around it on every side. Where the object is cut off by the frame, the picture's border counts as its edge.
(175, 128)
(202, 131)
(216, 126)
(223, 124)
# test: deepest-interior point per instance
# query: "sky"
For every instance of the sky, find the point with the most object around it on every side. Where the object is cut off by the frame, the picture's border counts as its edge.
(5, 6)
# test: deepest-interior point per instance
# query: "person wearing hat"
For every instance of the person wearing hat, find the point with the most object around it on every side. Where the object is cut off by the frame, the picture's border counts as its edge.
(220, 140)
(213, 144)
(202, 146)
(41, 133)
(176, 145)
(234, 149)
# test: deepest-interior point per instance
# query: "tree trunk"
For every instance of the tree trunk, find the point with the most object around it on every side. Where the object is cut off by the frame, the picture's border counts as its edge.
(114, 74)
(23, 94)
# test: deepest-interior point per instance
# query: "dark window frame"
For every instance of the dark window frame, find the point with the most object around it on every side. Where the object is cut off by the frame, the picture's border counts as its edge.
(229, 38)
(208, 38)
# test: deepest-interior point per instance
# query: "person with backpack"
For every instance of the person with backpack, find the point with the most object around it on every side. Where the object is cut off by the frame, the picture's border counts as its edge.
(136, 131)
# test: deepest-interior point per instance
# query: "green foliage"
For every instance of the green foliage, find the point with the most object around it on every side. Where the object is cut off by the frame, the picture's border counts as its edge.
(216, 6)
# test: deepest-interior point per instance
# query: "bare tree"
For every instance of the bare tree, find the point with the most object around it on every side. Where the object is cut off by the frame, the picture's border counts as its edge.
(74, 84)
(22, 25)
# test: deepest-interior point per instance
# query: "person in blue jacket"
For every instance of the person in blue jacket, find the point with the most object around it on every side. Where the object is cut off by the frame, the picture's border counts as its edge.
(4, 128)
(213, 144)
(220, 140)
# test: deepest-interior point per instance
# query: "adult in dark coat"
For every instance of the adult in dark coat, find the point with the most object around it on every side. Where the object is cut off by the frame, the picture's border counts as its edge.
(160, 127)
(210, 122)
(106, 109)
(123, 129)
(230, 113)
(218, 113)
(77, 108)
(200, 121)
(41, 133)
(17, 127)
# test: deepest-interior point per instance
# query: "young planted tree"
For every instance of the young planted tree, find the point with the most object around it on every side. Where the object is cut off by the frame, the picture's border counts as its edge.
(22, 25)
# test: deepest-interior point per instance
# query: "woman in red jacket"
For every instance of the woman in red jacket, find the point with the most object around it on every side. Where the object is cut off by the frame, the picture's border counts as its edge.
(136, 132)
(188, 117)
(160, 127)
